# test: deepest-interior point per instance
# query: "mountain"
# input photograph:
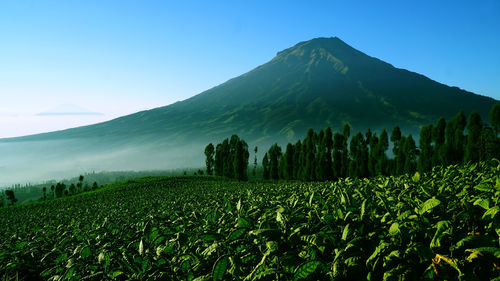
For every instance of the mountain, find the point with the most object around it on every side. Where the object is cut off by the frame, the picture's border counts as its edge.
(317, 83)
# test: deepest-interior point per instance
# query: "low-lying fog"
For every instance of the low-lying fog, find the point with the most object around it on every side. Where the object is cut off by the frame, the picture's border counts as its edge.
(38, 161)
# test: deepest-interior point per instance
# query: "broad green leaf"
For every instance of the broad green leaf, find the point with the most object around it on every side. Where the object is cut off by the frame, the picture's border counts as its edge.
(484, 187)
(483, 203)
(85, 252)
(441, 229)
(115, 274)
(212, 236)
(141, 248)
(237, 233)
(394, 229)
(363, 206)
(416, 177)
(345, 233)
(429, 205)
(490, 213)
(306, 269)
(220, 268)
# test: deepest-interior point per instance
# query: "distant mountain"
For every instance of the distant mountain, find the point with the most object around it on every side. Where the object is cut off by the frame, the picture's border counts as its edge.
(317, 83)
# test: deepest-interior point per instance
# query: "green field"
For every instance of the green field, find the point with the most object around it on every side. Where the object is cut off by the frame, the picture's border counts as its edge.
(442, 225)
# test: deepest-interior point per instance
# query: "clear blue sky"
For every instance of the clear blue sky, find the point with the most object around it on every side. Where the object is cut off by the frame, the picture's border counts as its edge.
(119, 57)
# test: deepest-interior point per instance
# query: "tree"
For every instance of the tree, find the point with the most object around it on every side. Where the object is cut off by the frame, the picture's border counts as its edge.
(328, 163)
(474, 128)
(219, 164)
(346, 132)
(495, 117)
(398, 162)
(297, 152)
(72, 189)
(358, 167)
(338, 147)
(438, 136)
(79, 184)
(95, 186)
(209, 161)
(274, 158)
(381, 157)
(240, 159)
(426, 153)
(265, 167)
(44, 190)
(454, 139)
(373, 154)
(288, 162)
(10, 197)
(60, 187)
(409, 150)
(254, 172)
(52, 188)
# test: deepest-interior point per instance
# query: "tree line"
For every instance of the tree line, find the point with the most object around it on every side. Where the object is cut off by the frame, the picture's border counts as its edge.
(326, 155)
(228, 159)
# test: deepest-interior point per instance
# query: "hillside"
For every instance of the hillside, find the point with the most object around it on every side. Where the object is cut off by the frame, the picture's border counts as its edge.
(317, 83)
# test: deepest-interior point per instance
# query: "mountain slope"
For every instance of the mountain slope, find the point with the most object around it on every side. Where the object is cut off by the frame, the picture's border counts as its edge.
(317, 83)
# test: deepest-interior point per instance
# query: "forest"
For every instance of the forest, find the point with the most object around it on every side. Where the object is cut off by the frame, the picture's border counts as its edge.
(326, 155)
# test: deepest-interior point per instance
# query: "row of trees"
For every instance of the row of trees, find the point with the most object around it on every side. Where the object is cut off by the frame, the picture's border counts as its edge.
(327, 156)
(228, 159)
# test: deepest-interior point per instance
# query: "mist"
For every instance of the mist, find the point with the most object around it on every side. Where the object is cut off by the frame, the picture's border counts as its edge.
(39, 161)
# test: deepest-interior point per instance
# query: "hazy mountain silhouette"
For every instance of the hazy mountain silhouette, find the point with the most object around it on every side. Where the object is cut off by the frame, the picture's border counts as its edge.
(317, 83)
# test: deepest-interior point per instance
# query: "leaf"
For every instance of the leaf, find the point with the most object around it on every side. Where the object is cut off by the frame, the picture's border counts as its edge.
(236, 234)
(280, 220)
(306, 269)
(211, 236)
(474, 241)
(441, 229)
(428, 205)
(141, 248)
(483, 203)
(242, 222)
(115, 274)
(363, 206)
(490, 213)
(85, 252)
(220, 268)
(345, 232)
(484, 187)
(416, 177)
(394, 229)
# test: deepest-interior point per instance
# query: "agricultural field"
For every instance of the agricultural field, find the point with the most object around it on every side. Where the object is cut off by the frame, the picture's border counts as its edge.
(443, 226)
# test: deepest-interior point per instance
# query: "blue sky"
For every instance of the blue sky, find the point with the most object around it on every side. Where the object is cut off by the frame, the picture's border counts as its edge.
(119, 57)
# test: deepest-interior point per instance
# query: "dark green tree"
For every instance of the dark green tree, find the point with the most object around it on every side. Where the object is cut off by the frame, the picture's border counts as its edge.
(309, 151)
(209, 158)
(265, 167)
(72, 189)
(219, 160)
(297, 152)
(274, 154)
(473, 146)
(397, 162)
(9, 194)
(438, 137)
(426, 150)
(358, 150)
(454, 139)
(410, 155)
(44, 190)
(288, 167)
(52, 188)
(240, 162)
(321, 156)
(328, 162)
(495, 117)
(338, 149)
(95, 186)
(346, 132)
(373, 153)
(254, 172)
(382, 160)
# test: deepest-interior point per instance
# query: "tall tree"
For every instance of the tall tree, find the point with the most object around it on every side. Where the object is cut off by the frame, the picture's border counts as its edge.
(227, 163)
(274, 158)
(426, 151)
(328, 164)
(473, 146)
(309, 149)
(240, 159)
(410, 155)
(495, 117)
(373, 153)
(455, 140)
(219, 160)
(288, 167)
(338, 148)
(397, 163)
(320, 156)
(297, 152)
(438, 137)
(381, 157)
(358, 167)
(10, 197)
(265, 167)
(254, 172)
(346, 132)
(209, 160)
